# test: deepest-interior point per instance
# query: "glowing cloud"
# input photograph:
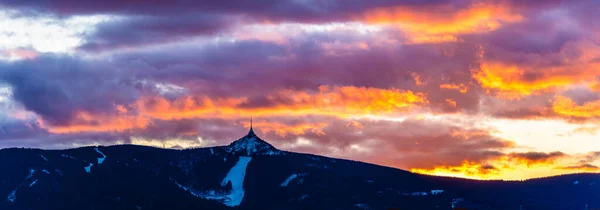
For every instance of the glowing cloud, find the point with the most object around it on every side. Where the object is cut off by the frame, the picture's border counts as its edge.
(567, 107)
(432, 24)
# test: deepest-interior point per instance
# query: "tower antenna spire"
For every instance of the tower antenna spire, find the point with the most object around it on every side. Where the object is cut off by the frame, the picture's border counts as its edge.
(251, 132)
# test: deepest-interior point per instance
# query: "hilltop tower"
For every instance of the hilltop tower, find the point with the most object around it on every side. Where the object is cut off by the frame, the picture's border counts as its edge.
(251, 145)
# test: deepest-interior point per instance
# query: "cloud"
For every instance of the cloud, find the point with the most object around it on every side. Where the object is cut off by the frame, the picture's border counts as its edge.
(567, 107)
(58, 87)
(531, 158)
(442, 23)
(132, 31)
(582, 167)
(328, 101)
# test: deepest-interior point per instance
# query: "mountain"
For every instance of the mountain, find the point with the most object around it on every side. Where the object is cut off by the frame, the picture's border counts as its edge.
(252, 174)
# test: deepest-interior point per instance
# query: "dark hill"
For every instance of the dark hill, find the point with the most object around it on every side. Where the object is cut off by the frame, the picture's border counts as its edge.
(252, 174)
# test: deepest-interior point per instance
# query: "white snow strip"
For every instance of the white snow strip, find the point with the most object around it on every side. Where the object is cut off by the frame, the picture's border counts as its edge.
(88, 168)
(287, 181)
(46, 171)
(193, 192)
(33, 183)
(12, 196)
(211, 195)
(211, 151)
(304, 196)
(290, 178)
(68, 156)
(42, 156)
(100, 160)
(416, 194)
(236, 176)
(435, 192)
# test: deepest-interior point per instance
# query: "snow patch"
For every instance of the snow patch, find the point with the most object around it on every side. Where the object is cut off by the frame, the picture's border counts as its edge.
(46, 171)
(416, 194)
(576, 182)
(12, 196)
(236, 177)
(436, 192)
(100, 160)
(59, 172)
(362, 206)
(211, 151)
(304, 196)
(456, 201)
(189, 189)
(31, 172)
(33, 183)
(88, 168)
(42, 156)
(67, 156)
(289, 179)
(432, 192)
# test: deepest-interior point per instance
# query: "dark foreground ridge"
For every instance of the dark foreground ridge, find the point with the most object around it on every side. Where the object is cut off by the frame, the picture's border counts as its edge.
(252, 174)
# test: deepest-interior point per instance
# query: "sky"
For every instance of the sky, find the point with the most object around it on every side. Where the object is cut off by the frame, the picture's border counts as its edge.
(491, 89)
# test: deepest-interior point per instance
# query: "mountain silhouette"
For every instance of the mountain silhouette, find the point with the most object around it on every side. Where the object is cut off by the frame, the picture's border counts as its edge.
(252, 174)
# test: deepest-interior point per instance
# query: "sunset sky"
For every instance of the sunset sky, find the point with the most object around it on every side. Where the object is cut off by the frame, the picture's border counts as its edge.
(498, 89)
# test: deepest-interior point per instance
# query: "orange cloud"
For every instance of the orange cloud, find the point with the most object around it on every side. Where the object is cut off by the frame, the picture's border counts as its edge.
(460, 87)
(583, 167)
(331, 101)
(442, 23)
(355, 124)
(342, 102)
(511, 82)
(417, 79)
(513, 166)
(468, 169)
(86, 122)
(451, 102)
(540, 75)
(283, 129)
(567, 107)
(533, 158)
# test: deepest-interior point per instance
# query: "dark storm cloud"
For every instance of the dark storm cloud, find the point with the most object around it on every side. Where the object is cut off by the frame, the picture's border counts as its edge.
(537, 157)
(56, 87)
(129, 32)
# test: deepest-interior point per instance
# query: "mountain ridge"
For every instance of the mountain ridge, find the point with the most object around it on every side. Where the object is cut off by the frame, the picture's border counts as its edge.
(250, 173)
